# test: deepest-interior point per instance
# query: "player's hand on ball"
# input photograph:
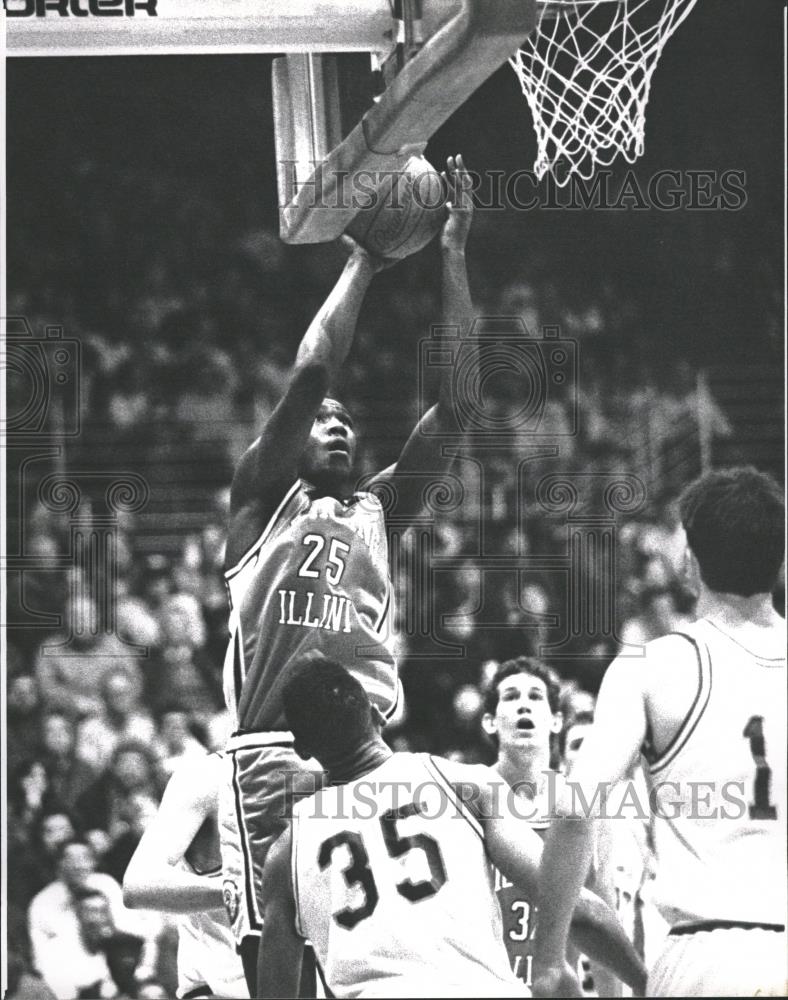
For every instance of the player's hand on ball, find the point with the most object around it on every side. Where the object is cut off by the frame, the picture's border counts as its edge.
(556, 981)
(459, 205)
(371, 260)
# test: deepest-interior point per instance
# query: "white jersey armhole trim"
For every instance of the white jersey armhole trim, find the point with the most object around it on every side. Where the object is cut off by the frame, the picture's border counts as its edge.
(698, 707)
(384, 612)
(294, 872)
(397, 698)
(447, 786)
(234, 570)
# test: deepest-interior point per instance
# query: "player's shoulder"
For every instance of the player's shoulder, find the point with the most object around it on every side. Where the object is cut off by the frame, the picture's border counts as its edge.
(642, 666)
(368, 501)
(460, 772)
(475, 785)
(254, 517)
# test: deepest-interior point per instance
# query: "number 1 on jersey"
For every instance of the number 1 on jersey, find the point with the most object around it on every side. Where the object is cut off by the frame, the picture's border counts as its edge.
(761, 808)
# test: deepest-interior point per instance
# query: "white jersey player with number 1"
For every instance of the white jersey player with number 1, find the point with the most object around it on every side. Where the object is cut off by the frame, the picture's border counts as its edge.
(706, 710)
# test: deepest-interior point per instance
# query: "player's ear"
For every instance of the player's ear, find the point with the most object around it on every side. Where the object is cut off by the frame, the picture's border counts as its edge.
(557, 723)
(489, 724)
(690, 569)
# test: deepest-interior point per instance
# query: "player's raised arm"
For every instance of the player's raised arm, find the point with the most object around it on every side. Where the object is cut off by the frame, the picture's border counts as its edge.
(281, 948)
(270, 466)
(152, 880)
(618, 733)
(423, 451)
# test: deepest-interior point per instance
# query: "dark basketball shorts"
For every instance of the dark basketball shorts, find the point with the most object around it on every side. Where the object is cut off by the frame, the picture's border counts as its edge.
(265, 776)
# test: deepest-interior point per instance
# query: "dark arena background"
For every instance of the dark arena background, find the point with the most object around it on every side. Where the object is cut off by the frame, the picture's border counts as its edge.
(142, 232)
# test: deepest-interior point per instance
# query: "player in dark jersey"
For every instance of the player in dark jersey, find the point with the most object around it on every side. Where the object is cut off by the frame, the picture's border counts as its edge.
(307, 560)
(522, 715)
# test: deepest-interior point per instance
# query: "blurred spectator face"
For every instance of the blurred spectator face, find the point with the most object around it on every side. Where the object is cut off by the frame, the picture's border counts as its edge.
(213, 543)
(522, 717)
(157, 586)
(120, 693)
(519, 300)
(175, 731)
(56, 829)
(575, 736)
(77, 862)
(34, 783)
(489, 670)
(187, 579)
(448, 539)
(44, 546)
(663, 612)
(100, 842)
(181, 621)
(125, 410)
(130, 767)
(467, 705)
(468, 581)
(178, 656)
(140, 811)
(675, 551)
(533, 598)
(22, 694)
(95, 921)
(57, 735)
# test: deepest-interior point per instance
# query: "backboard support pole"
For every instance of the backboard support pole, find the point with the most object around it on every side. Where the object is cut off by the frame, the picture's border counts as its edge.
(456, 60)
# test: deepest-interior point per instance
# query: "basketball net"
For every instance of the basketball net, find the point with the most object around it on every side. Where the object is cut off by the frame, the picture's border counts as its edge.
(586, 73)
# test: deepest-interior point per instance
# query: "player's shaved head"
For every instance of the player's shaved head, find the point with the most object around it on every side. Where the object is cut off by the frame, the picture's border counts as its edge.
(329, 406)
(327, 709)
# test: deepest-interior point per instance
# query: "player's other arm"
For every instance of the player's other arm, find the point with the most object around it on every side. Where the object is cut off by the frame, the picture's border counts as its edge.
(613, 744)
(516, 851)
(152, 880)
(423, 451)
(270, 466)
(601, 883)
(281, 947)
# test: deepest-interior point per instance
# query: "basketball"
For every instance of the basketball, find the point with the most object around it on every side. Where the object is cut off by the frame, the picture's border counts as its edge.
(406, 210)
